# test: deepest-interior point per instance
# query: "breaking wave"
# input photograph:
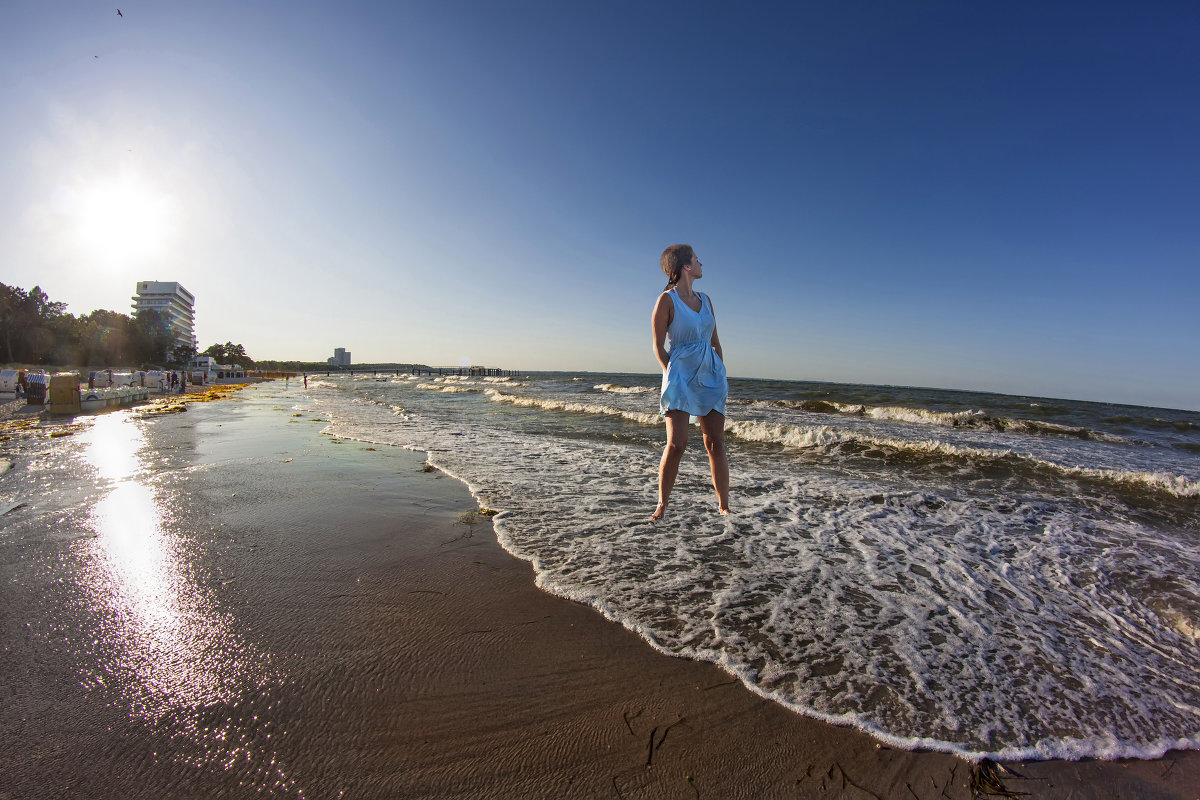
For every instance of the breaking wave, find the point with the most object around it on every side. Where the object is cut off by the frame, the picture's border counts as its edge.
(829, 439)
(617, 389)
(574, 408)
(970, 420)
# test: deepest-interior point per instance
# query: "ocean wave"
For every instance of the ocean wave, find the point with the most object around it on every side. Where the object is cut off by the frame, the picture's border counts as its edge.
(1156, 423)
(825, 437)
(618, 389)
(829, 438)
(969, 420)
(575, 408)
(396, 411)
(450, 388)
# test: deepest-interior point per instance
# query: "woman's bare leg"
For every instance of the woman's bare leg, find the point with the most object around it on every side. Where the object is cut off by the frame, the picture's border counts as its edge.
(712, 425)
(668, 468)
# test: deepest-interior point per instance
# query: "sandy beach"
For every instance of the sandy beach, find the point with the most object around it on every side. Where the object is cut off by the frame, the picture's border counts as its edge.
(304, 616)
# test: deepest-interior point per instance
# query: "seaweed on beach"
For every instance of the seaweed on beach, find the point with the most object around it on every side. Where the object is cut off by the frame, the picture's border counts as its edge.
(159, 408)
(17, 426)
(176, 403)
(472, 517)
(32, 426)
(987, 781)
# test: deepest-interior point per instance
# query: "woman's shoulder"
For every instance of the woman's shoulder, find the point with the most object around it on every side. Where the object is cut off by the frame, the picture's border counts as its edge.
(664, 308)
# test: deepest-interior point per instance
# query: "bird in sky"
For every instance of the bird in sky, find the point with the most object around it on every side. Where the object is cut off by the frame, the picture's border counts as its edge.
(119, 14)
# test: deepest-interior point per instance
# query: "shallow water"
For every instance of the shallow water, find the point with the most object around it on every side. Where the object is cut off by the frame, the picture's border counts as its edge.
(977, 573)
(185, 612)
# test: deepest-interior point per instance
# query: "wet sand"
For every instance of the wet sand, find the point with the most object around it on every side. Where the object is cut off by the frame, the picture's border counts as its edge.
(312, 618)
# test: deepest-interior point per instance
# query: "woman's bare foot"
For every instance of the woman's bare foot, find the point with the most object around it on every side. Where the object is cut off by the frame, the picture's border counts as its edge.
(659, 512)
(725, 511)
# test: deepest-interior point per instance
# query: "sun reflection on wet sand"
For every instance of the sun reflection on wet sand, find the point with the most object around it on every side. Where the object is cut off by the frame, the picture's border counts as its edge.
(168, 645)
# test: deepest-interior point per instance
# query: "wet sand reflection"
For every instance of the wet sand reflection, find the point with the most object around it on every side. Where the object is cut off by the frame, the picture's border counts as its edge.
(166, 647)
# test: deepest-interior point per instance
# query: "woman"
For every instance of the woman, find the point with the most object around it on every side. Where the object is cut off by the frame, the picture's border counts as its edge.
(694, 381)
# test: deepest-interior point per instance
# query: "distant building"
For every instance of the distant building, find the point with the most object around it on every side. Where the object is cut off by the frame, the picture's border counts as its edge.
(208, 368)
(340, 358)
(175, 304)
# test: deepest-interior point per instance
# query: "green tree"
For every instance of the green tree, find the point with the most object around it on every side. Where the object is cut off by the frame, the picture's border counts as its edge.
(108, 339)
(28, 322)
(12, 301)
(152, 336)
(229, 353)
(237, 355)
(180, 356)
(67, 330)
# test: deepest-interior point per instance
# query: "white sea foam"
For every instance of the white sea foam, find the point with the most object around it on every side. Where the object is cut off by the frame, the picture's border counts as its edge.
(970, 419)
(574, 408)
(452, 388)
(616, 389)
(826, 436)
(396, 410)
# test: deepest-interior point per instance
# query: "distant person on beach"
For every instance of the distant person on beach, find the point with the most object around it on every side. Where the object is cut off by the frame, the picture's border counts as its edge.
(694, 381)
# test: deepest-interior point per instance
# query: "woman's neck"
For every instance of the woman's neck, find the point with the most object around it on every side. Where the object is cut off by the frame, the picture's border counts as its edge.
(684, 287)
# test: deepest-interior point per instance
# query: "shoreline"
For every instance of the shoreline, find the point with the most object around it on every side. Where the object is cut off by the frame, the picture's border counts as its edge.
(418, 658)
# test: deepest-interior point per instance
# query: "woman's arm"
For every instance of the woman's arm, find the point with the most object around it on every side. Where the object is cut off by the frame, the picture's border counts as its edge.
(664, 309)
(715, 341)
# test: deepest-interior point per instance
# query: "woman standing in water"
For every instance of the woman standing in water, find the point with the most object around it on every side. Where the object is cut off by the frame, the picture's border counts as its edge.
(694, 381)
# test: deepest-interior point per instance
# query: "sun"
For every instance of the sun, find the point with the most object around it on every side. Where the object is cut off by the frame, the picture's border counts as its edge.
(121, 222)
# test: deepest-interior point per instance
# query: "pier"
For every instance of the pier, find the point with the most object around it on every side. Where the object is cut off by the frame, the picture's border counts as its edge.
(422, 370)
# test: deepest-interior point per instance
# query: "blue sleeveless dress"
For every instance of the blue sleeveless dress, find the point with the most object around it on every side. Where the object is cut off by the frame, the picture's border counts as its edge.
(695, 379)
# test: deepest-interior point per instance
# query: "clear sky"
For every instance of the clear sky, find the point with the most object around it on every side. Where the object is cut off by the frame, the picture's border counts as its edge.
(997, 195)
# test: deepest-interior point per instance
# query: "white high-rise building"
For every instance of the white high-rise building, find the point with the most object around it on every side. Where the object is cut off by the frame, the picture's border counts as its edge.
(175, 304)
(341, 358)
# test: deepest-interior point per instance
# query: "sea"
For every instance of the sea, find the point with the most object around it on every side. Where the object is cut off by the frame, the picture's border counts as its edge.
(988, 575)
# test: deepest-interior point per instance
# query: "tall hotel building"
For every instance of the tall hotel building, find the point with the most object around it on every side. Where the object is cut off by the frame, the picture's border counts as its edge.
(175, 304)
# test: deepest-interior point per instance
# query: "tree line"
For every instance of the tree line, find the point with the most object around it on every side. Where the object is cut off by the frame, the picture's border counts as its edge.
(229, 353)
(36, 330)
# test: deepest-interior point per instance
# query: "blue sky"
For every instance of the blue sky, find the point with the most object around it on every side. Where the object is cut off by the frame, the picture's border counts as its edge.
(996, 196)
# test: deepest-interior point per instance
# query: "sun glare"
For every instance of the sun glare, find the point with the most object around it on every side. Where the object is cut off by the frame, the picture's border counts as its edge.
(121, 222)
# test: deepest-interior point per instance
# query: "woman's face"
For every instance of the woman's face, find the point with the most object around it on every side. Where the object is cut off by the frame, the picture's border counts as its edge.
(696, 268)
